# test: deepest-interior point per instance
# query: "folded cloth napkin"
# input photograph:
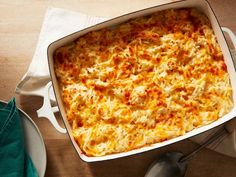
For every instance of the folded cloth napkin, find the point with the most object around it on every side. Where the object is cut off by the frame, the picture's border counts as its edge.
(57, 24)
(14, 161)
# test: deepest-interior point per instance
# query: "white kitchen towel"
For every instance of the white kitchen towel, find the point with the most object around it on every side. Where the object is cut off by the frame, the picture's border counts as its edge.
(59, 23)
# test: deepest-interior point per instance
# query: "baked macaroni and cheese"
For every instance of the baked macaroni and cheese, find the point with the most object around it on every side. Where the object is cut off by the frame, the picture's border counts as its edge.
(144, 81)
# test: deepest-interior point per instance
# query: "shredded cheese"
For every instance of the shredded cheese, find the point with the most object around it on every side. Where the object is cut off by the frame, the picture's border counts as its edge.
(145, 81)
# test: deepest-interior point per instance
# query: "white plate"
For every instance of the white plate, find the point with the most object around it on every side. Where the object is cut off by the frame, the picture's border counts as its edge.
(34, 143)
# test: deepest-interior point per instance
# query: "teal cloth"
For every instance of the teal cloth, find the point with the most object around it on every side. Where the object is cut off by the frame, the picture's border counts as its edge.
(14, 161)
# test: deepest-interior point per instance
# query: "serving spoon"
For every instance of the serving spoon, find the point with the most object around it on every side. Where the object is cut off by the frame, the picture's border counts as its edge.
(174, 164)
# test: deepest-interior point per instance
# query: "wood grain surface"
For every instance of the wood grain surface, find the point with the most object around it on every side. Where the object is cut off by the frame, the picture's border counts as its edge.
(20, 23)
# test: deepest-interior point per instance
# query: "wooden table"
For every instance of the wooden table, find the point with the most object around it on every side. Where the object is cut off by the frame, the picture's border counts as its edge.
(20, 23)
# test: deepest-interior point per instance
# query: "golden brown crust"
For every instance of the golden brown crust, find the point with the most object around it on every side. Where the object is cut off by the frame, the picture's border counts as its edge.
(145, 81)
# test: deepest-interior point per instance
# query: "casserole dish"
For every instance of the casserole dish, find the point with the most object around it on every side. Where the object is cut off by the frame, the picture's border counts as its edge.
(204, 7)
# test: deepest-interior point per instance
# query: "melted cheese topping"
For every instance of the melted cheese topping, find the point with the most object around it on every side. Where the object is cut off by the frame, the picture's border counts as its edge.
(145, 81)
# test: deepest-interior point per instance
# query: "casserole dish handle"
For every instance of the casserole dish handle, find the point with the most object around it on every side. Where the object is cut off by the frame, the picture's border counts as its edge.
(48, 111)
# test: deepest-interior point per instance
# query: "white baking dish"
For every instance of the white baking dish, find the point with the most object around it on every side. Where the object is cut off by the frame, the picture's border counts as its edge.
(203, 6)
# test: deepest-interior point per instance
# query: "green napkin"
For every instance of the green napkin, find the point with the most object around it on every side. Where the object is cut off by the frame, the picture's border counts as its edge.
(14, 161)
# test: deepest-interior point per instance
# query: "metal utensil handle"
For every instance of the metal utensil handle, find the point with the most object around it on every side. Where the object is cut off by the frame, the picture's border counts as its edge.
(231, 35)
(210, 140)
